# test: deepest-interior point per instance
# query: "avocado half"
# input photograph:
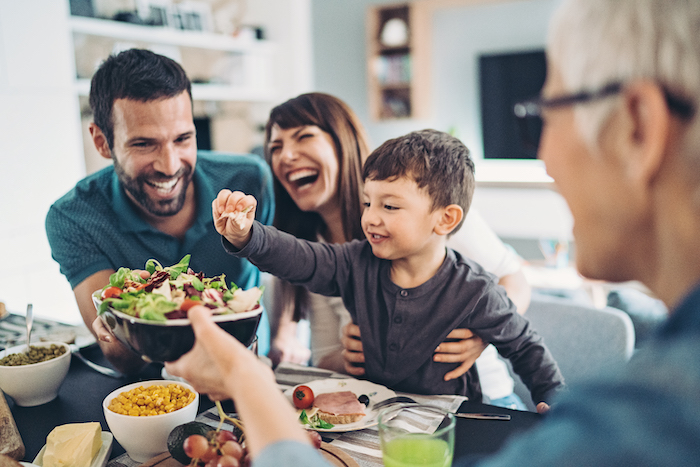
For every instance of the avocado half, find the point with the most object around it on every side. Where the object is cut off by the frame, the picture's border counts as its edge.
(180, 433)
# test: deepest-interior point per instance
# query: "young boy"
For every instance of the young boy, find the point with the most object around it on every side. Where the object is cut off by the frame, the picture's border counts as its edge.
(402, 286)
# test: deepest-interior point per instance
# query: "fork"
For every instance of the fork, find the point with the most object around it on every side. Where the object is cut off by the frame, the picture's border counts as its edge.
(393, 400)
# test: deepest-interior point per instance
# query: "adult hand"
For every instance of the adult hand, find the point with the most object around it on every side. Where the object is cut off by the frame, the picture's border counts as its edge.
(102, 332)
(119, 355)
(213, 357)
(221, 367)
(466, 351)
(233, 214)
(353, 354)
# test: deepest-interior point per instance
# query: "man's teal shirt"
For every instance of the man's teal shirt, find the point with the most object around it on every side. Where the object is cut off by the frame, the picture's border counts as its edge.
(96, 227)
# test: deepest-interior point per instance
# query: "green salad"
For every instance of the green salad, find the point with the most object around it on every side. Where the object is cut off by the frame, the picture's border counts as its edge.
(168, 292)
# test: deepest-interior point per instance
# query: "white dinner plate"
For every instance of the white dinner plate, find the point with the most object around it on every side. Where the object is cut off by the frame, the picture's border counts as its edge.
(100, 459)
(375, 392)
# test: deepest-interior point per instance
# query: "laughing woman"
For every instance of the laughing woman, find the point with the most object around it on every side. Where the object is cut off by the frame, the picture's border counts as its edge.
(316, 145)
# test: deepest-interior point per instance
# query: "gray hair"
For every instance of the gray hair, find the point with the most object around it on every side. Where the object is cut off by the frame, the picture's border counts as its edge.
(597, 42)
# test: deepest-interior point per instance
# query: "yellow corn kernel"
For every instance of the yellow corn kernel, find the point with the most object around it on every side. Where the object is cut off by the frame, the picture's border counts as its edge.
(152, 400)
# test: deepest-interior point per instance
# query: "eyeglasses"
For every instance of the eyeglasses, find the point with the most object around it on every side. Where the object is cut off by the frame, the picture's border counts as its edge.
(529, 113)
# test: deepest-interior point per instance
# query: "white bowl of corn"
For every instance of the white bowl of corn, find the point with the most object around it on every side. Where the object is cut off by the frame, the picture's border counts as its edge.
(142, 415)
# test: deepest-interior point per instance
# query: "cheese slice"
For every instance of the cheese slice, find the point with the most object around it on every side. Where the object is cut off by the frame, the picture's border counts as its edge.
(73, 445)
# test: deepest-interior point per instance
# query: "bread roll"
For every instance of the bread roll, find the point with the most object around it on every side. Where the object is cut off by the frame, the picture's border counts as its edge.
(339, 419)
(11, 444)
(339, 408)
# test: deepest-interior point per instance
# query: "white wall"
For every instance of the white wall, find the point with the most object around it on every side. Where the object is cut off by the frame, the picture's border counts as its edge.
(40, 149)
(287, 24)
(459, 34)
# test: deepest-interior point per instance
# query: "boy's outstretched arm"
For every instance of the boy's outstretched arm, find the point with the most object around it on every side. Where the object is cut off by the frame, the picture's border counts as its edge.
(233, 214)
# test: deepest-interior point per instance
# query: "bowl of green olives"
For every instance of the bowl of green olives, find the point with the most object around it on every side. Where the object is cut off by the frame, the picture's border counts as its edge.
(33, 377)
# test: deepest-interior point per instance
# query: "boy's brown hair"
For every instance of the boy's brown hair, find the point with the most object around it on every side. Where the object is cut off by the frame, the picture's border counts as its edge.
(435, 160)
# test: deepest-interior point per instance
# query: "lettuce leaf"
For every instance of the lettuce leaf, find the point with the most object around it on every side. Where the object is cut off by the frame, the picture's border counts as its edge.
(314, 422)
(177, 269)
(117, 279)
(152, 266)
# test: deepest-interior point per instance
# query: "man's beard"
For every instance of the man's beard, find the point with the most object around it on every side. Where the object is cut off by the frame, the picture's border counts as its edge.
(161, 208)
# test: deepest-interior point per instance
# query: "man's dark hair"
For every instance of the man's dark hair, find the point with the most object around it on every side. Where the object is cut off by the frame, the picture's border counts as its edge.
(136, 74)
(435, 160)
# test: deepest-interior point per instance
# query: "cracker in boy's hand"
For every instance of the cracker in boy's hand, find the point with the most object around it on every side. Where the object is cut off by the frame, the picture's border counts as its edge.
(238, 217)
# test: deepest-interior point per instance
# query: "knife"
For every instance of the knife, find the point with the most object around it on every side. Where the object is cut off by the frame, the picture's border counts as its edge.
(484, 416)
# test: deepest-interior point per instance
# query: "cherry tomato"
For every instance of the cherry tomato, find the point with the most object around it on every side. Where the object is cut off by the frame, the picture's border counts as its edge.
(303, 397)
(189, 303)
(111, 292)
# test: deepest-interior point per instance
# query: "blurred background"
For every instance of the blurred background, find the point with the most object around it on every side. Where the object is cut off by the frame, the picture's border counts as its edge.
(451, 65)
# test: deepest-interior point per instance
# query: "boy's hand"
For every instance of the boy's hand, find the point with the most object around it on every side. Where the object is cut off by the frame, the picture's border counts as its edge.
(466, 351)
(233, 214)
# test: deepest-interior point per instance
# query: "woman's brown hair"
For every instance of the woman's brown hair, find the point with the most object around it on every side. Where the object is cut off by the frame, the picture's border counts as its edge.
(334, 117)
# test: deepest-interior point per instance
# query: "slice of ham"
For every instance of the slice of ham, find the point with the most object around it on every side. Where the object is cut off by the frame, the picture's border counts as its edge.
(339, 403)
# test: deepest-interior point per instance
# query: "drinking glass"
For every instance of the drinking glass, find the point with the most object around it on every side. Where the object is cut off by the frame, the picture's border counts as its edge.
(416, 435)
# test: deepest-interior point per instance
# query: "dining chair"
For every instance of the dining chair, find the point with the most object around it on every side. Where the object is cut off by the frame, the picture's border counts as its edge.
(584, 340)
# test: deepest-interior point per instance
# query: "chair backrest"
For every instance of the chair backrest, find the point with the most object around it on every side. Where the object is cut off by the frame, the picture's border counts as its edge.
(584, 340)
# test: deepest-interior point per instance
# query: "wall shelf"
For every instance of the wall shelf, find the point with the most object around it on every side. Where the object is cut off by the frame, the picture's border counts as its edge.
(163, 35)
(396, 61)
(204, 92)
(246, 77)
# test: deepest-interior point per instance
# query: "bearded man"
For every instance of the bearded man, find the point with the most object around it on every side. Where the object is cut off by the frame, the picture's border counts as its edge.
(154, 201)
